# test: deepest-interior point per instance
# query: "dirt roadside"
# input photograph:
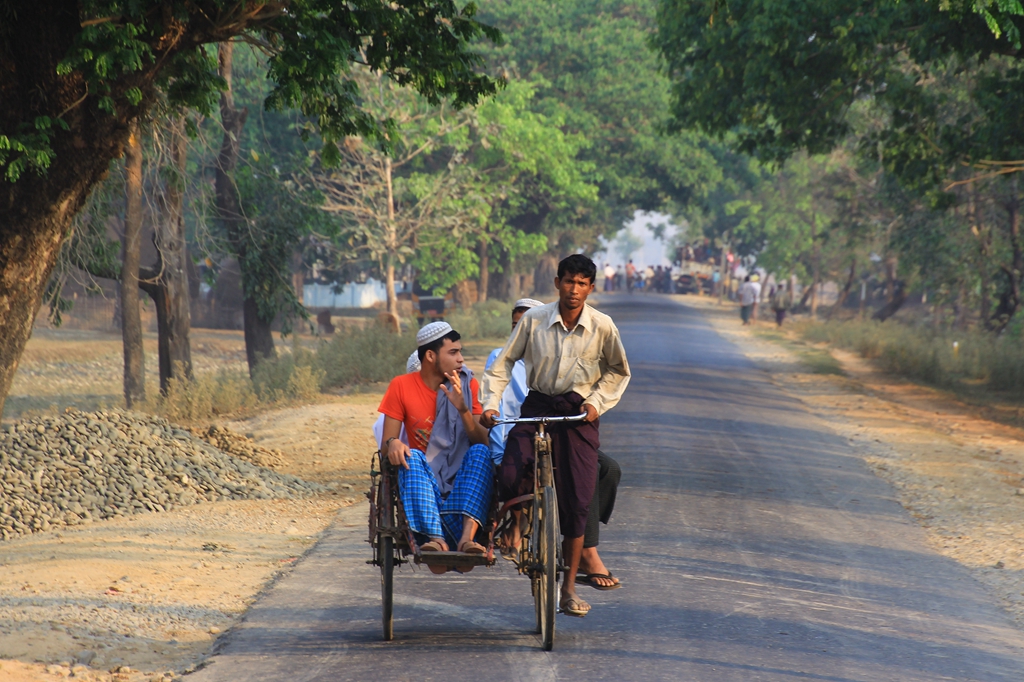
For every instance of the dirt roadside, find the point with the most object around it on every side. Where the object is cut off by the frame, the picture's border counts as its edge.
(146, 597)
(961, 476)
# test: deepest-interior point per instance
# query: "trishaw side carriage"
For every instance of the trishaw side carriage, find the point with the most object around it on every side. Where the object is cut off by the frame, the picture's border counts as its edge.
(539, 555)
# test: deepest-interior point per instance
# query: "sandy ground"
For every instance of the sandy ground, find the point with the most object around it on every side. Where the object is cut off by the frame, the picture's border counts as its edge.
(956, 472)
(84, 369)
(150, 594)
(153, 592)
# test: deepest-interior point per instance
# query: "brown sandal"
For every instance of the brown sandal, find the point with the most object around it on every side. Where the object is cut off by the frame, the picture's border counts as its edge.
(471, 547)
(573, 606)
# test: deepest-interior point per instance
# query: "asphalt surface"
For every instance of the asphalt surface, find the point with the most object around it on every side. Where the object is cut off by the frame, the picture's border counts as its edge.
(751, 542)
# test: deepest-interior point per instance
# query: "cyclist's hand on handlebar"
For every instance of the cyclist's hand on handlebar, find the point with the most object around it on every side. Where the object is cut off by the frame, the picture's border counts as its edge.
(591, 412)
(487, 418)
(397, 452)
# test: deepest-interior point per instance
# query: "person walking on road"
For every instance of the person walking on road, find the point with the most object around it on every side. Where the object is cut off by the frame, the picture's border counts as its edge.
(755, 283)
(747, 294)
(609, 277)
(575, 364)
(781, 301)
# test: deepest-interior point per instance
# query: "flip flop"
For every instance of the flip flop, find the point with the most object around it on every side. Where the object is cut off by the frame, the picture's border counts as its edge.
(432, 546)
(588, 579)
(470, 547)
(570, 604)
(510, 554)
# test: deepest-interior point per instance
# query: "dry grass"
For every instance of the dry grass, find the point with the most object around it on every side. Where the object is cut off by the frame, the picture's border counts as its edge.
(947, 359)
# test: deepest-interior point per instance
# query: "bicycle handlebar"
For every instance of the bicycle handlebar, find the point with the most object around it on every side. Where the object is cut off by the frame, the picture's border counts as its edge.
(538, 420)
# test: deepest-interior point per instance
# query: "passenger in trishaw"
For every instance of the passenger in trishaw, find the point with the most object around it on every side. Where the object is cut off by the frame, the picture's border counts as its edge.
(593, 572)
(411, 365)
(446, 477)
(575, 363)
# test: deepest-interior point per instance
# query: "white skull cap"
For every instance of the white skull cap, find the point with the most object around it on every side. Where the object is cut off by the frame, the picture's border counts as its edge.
(413, 363)
(526, 303)
(432, 332)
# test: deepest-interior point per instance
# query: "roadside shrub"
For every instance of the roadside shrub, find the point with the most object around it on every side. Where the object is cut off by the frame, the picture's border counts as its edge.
(224, 392)
(927, 355)
(360, 356)
(355, 355)
(305, 382)
(487, 320)
(290, 376)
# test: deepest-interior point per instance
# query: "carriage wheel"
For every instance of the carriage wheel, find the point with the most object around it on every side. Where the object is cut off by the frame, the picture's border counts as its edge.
(546, 597)
(387, 584)
(538, 607)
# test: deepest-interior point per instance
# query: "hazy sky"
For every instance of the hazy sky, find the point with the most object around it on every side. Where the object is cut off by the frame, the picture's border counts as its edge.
(653, 250)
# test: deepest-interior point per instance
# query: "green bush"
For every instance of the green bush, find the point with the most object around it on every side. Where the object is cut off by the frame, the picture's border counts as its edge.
(224, 392)
(487, 320)
(927, 355)
(353, 356)
(290, 376)
(360, 356)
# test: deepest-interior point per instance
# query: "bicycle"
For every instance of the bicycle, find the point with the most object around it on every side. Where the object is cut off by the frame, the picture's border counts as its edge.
(539, 554)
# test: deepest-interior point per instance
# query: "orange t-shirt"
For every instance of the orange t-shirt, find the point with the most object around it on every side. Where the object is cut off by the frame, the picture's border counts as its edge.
(411, 402)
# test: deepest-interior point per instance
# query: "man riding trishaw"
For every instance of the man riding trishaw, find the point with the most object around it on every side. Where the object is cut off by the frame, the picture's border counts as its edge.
(575, 363)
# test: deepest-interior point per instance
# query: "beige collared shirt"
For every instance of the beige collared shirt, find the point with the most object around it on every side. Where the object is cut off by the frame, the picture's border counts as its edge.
(589, 359)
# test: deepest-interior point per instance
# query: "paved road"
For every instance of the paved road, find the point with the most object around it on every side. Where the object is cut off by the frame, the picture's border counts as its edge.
(752, 543)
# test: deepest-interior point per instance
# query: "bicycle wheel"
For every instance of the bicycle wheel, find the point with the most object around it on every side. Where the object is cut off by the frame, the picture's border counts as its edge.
(387, 585)
(547, 601)
(535, 585)
(386, 553)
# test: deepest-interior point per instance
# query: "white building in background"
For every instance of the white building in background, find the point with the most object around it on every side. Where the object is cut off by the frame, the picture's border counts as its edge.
(351, 295)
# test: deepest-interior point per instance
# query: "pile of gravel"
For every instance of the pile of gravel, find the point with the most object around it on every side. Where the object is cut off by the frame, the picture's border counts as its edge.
(242, 447)
(80, 467)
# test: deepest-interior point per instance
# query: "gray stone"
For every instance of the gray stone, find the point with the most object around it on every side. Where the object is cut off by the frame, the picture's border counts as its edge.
(77, 468)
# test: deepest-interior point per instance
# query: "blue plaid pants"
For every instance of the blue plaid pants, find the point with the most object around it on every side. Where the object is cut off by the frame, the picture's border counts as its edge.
(429, 514)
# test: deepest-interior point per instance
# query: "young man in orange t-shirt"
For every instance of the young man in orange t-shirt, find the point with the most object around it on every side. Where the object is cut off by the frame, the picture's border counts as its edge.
(446, 477)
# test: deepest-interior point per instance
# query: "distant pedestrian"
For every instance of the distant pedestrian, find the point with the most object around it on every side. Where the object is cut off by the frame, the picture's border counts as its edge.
(755, 282)
(747, 294)
(781, 301)
(609, 277)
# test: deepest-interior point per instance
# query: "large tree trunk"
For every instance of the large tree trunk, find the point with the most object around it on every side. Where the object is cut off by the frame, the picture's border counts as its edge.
(28, 250)
(891, 267)
(960, 309)
(816, 265)
(889, 309)
(167, 282)
(37, 210)
(544, 275)
(722, 285)
(389, 285)
(846, 290)
(1009, 298)
(259, 337)
(485, 274)
(389, 267)
(983, 235)
(131, 319)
